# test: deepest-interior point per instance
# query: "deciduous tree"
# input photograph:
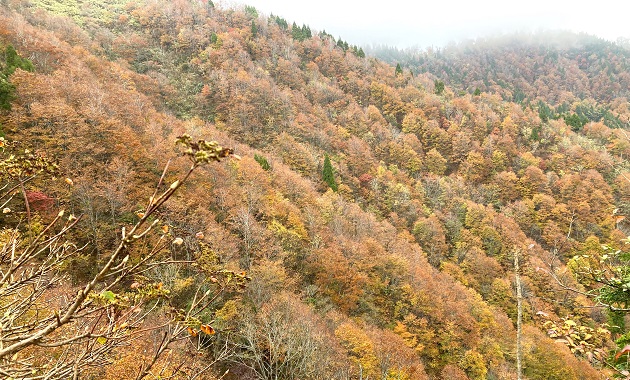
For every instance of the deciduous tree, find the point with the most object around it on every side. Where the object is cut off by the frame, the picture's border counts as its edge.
(56, 332)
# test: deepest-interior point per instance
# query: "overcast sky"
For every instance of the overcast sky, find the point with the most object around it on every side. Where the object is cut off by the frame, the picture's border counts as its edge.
(438, 22)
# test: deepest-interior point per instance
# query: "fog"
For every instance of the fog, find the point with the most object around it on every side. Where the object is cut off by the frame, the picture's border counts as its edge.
(436, 23)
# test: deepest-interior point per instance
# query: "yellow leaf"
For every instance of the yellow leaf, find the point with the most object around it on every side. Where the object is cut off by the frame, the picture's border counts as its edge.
(101, 340)
(588, 336)
(569, 322)
(124, 325)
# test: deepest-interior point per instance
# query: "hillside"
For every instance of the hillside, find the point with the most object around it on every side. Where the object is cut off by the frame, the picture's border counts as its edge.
(559, 70)
(369, 228)
(549, 66)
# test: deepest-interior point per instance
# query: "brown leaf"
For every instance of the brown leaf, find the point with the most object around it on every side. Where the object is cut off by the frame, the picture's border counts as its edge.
(624, 350)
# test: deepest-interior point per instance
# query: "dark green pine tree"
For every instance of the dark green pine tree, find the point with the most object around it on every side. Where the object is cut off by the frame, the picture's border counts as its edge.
(296, 32)
(328, 175)
(399, 70)
(12, 61)
(340, 43)
(7, 91)
(306, 32)
(254, 29)
(251, 11)
(262, 161)
(8, 65)
(439, 87)
(282, 23)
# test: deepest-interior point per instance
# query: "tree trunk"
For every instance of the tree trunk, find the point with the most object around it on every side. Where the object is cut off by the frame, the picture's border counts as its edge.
(519, 316)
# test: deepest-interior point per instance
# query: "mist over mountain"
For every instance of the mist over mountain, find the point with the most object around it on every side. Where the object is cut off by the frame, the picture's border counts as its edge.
(526, 67)
(404, 24)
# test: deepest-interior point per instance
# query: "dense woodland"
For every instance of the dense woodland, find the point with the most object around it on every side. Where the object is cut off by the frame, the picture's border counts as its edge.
(560, 73)
(368, 231)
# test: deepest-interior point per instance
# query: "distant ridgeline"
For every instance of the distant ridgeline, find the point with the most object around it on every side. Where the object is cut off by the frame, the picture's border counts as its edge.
(573, 76)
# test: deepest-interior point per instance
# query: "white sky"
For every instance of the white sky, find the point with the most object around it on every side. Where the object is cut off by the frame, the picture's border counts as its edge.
(437, 22)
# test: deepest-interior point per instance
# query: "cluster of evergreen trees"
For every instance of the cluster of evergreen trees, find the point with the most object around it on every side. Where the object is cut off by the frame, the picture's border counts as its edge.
(9, 62)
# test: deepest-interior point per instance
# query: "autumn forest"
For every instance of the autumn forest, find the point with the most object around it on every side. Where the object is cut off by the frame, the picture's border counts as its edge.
(195, 191)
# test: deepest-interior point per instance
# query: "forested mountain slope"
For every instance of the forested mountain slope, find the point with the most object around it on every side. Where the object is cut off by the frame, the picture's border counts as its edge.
(399, 265)
(561, 70)
(551, 66)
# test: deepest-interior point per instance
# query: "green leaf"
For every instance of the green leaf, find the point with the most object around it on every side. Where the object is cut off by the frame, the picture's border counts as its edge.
(108, 295)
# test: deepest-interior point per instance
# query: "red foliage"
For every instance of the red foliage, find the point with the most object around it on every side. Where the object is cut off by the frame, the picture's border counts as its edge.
(39, 201)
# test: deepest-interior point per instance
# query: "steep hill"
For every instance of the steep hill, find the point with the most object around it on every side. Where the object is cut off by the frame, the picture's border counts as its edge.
(404, 271)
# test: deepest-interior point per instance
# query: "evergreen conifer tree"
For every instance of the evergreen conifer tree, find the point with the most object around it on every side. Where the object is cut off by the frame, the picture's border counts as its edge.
(254, 29)
(12, 61)
(262, 161)
(328, 174)
(306, 32)
(439, 87)
(296, 32)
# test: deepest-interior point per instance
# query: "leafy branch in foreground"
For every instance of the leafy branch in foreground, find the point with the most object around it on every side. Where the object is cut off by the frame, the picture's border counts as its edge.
(607, 270)
(604, 274)
(48, 330)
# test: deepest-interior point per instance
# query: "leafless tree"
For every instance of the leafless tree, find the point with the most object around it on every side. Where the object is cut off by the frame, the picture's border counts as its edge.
(47, 332)
(273, 346)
